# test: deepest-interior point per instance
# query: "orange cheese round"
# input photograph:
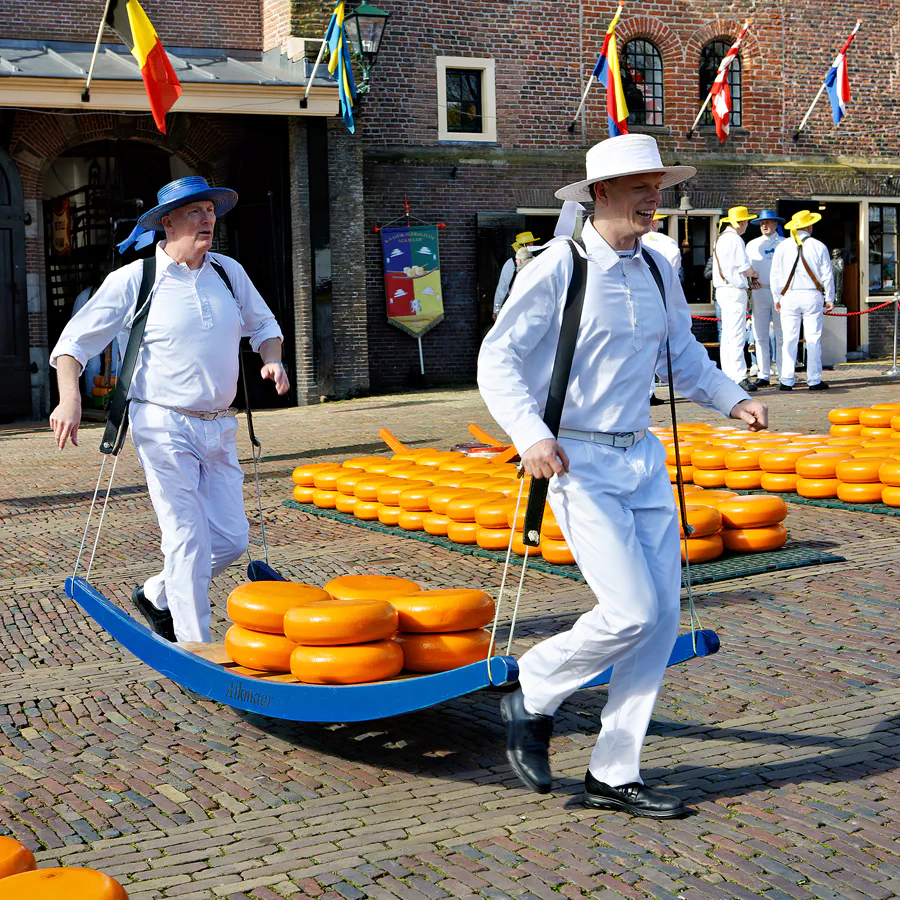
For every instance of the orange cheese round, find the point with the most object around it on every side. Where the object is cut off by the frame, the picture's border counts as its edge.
(327, 479)
(817, 488)
(363, 462)
(869, 433)
(442, 496)
(821, 465)
(493, 538)
(784, 460)
(509, 487)
(557, 552)
(873, 452)
(443, 610)
(349, 664)
(494, 513)
(710, 478)
(855, 492)
(325, 623)
(702, 549)
(889, 472)
(416, 498)
(345, 504)
(876, 418)
(438, 457)
(859, 470)
(838, 431)
(687, 473)
(744, 480)
(324, 499)
(346, 483)
(62, 884)
(462, 509)
(893, 406)
(484, 482)
(755, 540)
(367, 488)
(685, 451)
(255, 650)
(388, 515)
(367, 510)
(303, 494)
(435, 523)
(429, 653)
(369, 587)
(710, 457)
(413, 455)
(463, 532)
(777, 482)
(743, 460)
(754, 511)
(518, 546)
(704, 520)
(388, 494)
(388, 467)
(261, 605)
(848, 415)
(305, 475)
(411, 520)
(550, 527)
(462, 464)
(846, 442)
(891, 495)
(895, 423)
(709, 498)
(453, 479)
(14, 858)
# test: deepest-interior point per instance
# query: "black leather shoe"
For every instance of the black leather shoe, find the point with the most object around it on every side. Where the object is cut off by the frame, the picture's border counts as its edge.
(762, 382)
(785, 387)
(159, 620)
(527, 743)
(635, 798)
(657, 401)
(821, 386)
(747, 385)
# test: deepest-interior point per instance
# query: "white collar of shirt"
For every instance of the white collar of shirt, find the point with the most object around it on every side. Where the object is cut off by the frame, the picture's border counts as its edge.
(164, 263)
(599, 250)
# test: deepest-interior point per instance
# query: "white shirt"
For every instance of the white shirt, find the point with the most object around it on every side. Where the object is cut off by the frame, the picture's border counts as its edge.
(817, 258)
(665, 245)
(621, 342)
(189, 354)
(733, 260)
(761, 252)
(506, 277)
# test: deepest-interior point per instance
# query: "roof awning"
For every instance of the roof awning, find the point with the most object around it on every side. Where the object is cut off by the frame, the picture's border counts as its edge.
(52, 75)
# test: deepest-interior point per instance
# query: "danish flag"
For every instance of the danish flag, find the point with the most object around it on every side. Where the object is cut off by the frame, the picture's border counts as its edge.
(721, 93)
(837, 81)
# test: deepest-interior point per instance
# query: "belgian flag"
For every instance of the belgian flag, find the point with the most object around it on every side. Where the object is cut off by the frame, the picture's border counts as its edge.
(128, 19)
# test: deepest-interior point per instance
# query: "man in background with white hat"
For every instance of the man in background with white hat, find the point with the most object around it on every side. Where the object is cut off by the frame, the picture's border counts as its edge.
(803, 284)
(732, 275)
(184, 382)
(521, 255)
(609, 488)
(761, 252)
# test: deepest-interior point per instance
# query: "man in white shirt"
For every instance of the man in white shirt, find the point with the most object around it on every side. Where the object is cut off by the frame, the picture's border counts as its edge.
(184, 381)
(521, 254)
(609, 487)
(761, 252)
(803, 284)
(664, 245)
(732, 273)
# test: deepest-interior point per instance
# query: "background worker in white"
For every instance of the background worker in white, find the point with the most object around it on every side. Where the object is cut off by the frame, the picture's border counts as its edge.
(732, 274)
(663, 244)
(761, 252)
(188, 365)
(614, 503)
(800, 299)
(521, 255)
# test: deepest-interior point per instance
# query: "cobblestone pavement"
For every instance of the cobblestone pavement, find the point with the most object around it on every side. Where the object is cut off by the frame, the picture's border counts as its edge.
(786, 742)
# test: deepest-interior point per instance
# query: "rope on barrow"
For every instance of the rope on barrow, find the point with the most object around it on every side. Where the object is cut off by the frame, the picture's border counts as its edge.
(846, 315)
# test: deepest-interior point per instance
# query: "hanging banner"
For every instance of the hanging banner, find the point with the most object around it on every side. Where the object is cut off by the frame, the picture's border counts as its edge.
(60, 228)
(412, 278)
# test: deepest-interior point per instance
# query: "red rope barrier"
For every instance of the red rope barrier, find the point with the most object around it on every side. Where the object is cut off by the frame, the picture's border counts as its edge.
(847, 315)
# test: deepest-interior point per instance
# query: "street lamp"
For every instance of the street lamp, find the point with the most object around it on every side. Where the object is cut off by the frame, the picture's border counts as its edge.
(365, 28)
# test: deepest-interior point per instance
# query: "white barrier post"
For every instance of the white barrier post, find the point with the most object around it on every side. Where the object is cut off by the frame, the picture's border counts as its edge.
(894, 370)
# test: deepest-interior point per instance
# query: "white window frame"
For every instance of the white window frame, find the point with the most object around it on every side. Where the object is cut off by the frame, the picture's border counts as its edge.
(488, 98)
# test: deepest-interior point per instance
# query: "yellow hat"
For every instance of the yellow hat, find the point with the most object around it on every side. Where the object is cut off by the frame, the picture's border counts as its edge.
(516, 245)
(736, 215)
(803, 219)
(658, 216)
(526, 237)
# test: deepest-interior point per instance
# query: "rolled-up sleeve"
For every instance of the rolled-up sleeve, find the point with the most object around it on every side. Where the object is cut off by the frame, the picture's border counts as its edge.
(259, 321)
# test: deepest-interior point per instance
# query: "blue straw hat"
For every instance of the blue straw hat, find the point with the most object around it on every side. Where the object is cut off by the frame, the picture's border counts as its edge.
(186, 190)
(768, 215)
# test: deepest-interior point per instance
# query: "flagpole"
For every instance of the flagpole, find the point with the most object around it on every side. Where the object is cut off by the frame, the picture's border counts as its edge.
(86, 93)
(309, 84)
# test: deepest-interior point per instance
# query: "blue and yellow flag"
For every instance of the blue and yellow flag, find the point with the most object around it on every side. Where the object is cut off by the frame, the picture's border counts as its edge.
(339, 64)
(606, 71)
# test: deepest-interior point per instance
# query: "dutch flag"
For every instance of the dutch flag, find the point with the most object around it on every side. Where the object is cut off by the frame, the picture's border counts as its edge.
(837, 81)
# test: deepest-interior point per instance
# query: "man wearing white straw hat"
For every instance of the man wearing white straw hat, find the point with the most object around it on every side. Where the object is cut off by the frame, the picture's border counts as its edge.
(609, 486)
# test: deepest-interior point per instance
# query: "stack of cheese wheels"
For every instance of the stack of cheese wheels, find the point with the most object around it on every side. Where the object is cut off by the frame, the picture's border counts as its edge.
(753, 523)
(443, 629)
(859, 479)
(257, 639)
(14, 858)
(816, 473)
(889, 476)
(779, 467)
(704, 542)
(708, 463)
(61, 884)
(304, 480)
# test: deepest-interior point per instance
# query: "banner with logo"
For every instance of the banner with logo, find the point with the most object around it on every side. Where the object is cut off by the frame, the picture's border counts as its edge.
(60, 227)
(412, 277)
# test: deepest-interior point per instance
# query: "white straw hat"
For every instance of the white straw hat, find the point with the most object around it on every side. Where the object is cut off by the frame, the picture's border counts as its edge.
(627, 154)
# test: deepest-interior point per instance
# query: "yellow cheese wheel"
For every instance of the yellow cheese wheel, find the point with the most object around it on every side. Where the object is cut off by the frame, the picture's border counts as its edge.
(557, 552)
(442, 496)
(776, 482)
(893, 406)
(460, 464)
(705, 520)
(859, 471)
(411, 520)
(869, 433)
(346, 483)
(411, 473)
(388, 467)
(889, 472)
(710, 478)
(702, 549)
(345, 504)
(429, 653)
(550, 527)
(416, 498)
(518, 545)
(855, 492)
(782, 460)
(891, 495)
(687, 473)
(710, 457)
(742, 480)
(303, 494)
(14, 858)
(846, 442)
(766, 443)
(259, 651)
(363, 462)
(261, 605)
(848, 415)
(452, 479)
(367, 488)
(324, 499)
(710, 498)
(348, 664)
(438, 457)
(755, 540)
(817, 488)
(493, 538)
(481, 483)
(367, 510)
(509, 487)
(443, 610)
(876, 418)
(892, 445)
(725, 443)
(838, 431)
(874, 452)
(743, 460)
(326, 623)
(895, 423)
(305, 475)
(388, 515)
(327, 479)
(388, 494)
(821, 465)
(685, 451)
(435, 523)
(369, 587)
(412, 455)
(463, 532)
(62, 884)
(494, 513)
(462, 509)
(754, 511)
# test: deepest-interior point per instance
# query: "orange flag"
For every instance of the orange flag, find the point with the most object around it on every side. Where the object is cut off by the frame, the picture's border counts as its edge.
(128, 19)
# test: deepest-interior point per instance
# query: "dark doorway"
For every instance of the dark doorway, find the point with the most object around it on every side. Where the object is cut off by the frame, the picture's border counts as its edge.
(495, 235)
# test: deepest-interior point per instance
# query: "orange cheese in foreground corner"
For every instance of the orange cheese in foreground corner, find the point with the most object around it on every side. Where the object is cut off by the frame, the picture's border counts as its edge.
(493, 538)
(303, 494)
(428, 653)
(369, 587)
(703, 549)
(860, 470)
(744, 480)
(557, 552)
(776, 482)
(444, 610)
(860, 493)
(817, 488)
(14, 858)
(754, 511)
(755, 540)
(62, 884)
(891, 496)
(351, 664)
(324, 623)
(712, 478)
(261, 605)
(255, 650)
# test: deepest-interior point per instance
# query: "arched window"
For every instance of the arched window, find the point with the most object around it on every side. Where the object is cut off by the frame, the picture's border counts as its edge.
(713, 53)
(642, 82)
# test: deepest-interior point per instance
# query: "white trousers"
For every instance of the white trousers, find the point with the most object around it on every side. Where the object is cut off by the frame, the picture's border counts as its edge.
(807, 307)
(616, 510)
(764, 312)
(196, 486)
(733, 304)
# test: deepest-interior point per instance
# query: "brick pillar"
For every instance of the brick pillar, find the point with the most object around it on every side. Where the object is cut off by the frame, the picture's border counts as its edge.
(348, 265)
(301, 265)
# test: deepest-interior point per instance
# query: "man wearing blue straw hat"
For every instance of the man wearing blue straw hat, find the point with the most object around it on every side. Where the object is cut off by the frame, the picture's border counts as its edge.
(184, 382)
(761, 252)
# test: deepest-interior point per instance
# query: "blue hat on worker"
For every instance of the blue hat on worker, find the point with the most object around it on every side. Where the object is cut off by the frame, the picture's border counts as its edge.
(769, 215)
(186, 190)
